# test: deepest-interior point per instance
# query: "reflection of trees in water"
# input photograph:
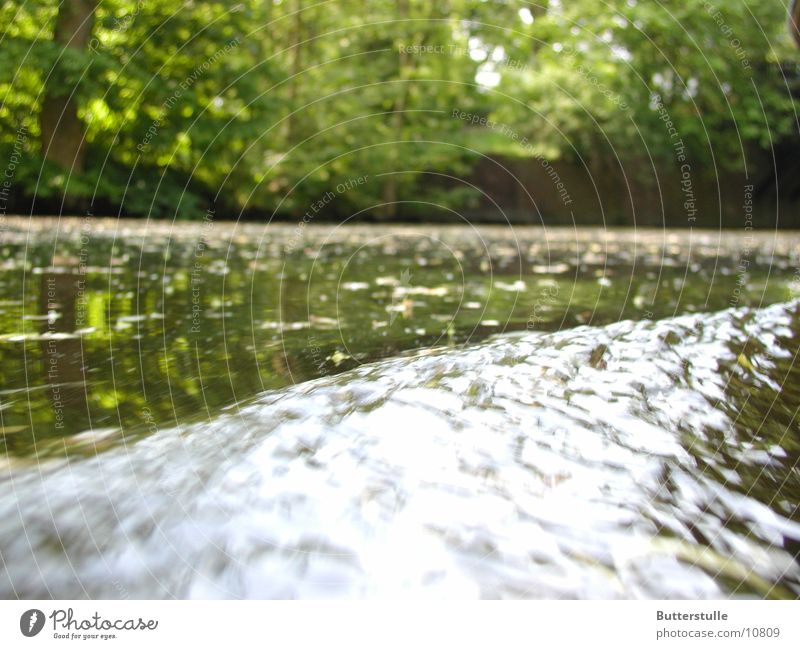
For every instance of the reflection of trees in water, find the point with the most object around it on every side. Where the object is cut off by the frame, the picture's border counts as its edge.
(62, 358)
(265, 325)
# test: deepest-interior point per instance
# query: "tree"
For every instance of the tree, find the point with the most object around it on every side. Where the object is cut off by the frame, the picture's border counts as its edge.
(62, 131)
(264, 106)
(613, 73)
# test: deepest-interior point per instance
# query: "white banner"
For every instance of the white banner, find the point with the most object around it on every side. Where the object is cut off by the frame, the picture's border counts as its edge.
(385, 624)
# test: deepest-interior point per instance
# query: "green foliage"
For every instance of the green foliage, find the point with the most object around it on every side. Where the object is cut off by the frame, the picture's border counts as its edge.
(595, 86)
(265, 106)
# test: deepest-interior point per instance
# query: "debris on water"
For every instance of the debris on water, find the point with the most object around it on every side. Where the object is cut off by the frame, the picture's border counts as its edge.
(553, 269)
(516, 287)
(596, 359)
(47, 335)
(744, 362)
(322, 322)
(93, 437)
(338, 357)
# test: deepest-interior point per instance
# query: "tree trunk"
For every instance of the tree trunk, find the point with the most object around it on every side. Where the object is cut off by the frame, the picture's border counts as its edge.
(795, 21)
(389, 195)
(295, 38)
(62, 130)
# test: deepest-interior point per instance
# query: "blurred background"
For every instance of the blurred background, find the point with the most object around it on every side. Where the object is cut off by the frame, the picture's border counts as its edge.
(619, 112)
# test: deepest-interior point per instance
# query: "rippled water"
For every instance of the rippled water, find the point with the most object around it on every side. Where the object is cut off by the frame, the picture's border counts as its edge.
(608, 449)
(124, 327)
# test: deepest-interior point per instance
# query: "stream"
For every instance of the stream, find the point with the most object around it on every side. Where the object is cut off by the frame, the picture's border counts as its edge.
(221, 410)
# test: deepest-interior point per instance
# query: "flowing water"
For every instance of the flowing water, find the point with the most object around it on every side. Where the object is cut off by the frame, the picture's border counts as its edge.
(250, 411)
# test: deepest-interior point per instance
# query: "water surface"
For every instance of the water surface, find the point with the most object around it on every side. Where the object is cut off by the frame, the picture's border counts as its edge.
(242, 411)
(112, 329)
